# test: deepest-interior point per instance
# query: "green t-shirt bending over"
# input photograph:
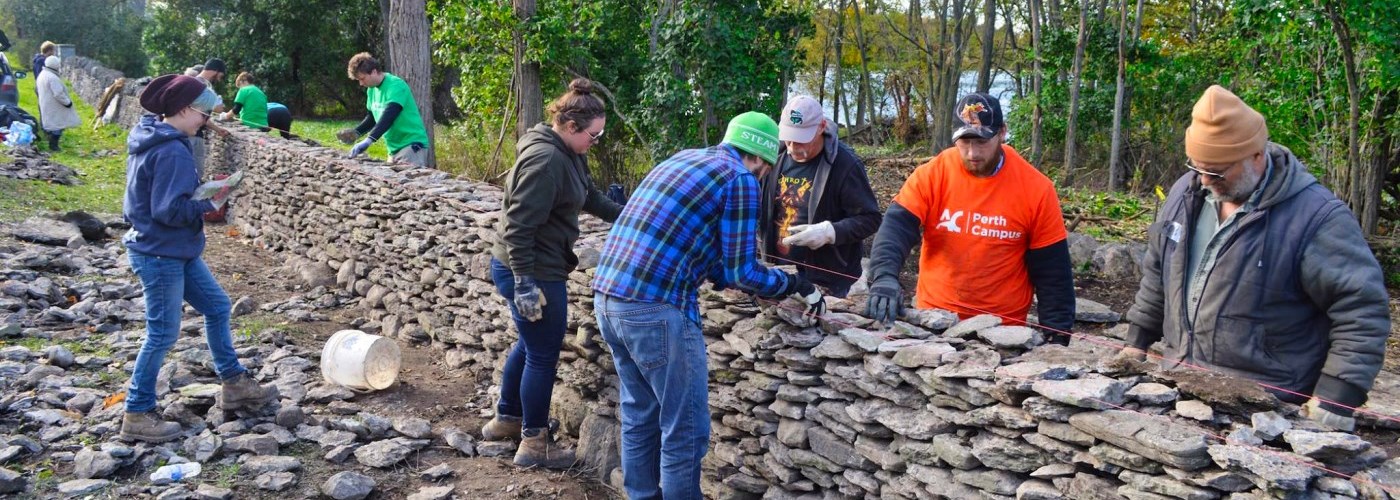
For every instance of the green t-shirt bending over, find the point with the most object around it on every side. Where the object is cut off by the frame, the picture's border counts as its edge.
(254, 102)
(408, 127)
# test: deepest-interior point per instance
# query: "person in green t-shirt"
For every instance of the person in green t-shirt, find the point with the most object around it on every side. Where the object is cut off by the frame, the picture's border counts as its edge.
(250, 104)
(393, 114)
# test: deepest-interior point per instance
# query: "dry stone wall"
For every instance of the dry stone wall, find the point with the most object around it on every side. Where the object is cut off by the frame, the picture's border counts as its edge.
(930, 408)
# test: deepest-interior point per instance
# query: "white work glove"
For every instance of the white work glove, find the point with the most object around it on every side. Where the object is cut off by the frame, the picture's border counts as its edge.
(1313, 411)
(812, 236)
(225, 116)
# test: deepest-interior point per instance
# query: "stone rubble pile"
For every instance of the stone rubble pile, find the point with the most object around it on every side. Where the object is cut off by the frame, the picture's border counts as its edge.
(71, 325)
(27, 163)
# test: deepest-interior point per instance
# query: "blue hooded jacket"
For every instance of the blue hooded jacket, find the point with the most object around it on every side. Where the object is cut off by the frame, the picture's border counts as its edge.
(160, 184)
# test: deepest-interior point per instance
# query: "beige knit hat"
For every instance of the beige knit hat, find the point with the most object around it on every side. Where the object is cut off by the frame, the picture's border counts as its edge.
(1224, 129)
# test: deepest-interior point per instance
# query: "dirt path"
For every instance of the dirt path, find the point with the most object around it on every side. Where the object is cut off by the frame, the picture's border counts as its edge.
(426, 389)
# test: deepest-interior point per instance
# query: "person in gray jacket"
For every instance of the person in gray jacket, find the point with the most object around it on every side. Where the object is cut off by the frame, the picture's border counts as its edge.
(531, 261)
(1256, 270)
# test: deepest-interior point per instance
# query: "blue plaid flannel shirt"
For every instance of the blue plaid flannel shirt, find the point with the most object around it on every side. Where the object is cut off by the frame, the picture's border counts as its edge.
(694, 217)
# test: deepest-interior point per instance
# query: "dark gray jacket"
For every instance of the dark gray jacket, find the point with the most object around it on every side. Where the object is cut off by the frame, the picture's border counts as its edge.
(545, 191)
(1296, 299)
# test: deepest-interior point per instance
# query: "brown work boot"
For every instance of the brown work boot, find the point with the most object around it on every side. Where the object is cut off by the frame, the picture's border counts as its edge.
(144, 426)
(538, 449)
(242, 392)
(501, 427)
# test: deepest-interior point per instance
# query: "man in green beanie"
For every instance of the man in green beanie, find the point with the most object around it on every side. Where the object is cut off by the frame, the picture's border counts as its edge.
(693, 219)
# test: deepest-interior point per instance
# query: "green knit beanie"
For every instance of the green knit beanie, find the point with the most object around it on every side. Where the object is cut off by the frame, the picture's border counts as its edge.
(754, 133)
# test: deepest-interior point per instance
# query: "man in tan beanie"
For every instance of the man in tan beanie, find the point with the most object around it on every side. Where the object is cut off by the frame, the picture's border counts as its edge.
(1256, 270)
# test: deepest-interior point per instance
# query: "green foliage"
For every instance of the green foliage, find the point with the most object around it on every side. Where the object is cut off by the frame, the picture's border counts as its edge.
(714, 60)
(297, 48)
(1108, 216)
(105, 30)
(711, 60)
(98, 155)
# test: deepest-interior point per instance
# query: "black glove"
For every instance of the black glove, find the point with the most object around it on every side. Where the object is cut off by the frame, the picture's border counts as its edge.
(802, 289)
(528, 301)
(886, 302)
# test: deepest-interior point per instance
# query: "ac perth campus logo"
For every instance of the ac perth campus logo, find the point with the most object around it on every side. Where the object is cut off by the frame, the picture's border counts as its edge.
(979, 224)
(949, 221)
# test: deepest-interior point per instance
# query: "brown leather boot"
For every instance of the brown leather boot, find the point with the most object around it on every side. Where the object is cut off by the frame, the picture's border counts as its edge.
(501, 427)
(145, 426)
(242, 392)
(538, 449)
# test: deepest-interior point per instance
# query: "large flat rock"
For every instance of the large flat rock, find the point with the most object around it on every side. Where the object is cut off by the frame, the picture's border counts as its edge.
(1176, 444)
(46, 231)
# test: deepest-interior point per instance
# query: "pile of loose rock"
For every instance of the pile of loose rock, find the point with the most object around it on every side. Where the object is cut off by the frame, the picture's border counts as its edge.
(30, 164)
(71, 326)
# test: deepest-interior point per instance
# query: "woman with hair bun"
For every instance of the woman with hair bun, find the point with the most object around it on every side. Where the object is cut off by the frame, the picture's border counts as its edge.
(531, 261)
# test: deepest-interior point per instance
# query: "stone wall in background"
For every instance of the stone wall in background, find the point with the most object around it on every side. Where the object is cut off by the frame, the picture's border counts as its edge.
(90, 78)
(931, 407)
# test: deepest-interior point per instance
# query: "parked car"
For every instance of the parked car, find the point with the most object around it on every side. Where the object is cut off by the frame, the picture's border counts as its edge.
(9, 82)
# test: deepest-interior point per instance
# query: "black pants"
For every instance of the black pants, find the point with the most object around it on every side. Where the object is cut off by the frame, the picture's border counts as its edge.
(280, 119)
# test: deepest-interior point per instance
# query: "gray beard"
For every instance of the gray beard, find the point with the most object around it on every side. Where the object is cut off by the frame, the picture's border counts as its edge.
(1241, 192)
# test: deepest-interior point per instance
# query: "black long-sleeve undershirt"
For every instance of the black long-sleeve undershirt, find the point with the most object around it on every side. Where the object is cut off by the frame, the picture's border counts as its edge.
(1048, 268)
(386, 120)
(898, 233)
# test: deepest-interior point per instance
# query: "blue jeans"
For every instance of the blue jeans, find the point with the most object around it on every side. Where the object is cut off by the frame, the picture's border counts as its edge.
(167, 284)
(527, 381)
(661, 365)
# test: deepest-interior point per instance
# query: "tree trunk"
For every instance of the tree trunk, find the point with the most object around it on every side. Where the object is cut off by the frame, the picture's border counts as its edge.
(1078, 72)
(1037, 80)
(826, 61)
(864, 100)
(931, 61)
(836, 91)
(1381, 162)
(1018, 69)
(527, 74)
(1117, 179)
(951, 75)
(1194, 26)
(1354, 195)
(989, 34)
(410, 47)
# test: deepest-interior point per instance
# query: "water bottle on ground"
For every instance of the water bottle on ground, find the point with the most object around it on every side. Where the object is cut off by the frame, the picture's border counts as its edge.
(174, 473)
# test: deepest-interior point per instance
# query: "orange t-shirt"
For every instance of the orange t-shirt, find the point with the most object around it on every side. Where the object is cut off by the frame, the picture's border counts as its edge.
(977, 231)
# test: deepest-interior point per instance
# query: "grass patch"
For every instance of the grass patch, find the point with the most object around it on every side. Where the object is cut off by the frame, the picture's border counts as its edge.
(98, 155)
(223, 476)
(247, 328)
(323, 131)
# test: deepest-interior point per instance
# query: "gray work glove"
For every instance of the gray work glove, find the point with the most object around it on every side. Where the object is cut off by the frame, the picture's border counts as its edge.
(529, 302)
(886, 302)
(1315, 411)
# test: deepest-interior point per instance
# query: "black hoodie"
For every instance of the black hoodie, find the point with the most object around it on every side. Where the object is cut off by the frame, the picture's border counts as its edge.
(545, 191)
(841, 194)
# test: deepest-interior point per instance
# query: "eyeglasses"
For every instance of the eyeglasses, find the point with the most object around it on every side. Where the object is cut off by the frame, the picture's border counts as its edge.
(595, 138)
(206, 115)
(1219, 176)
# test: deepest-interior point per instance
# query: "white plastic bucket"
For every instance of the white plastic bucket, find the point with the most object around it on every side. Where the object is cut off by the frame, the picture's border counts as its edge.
(360, 361)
